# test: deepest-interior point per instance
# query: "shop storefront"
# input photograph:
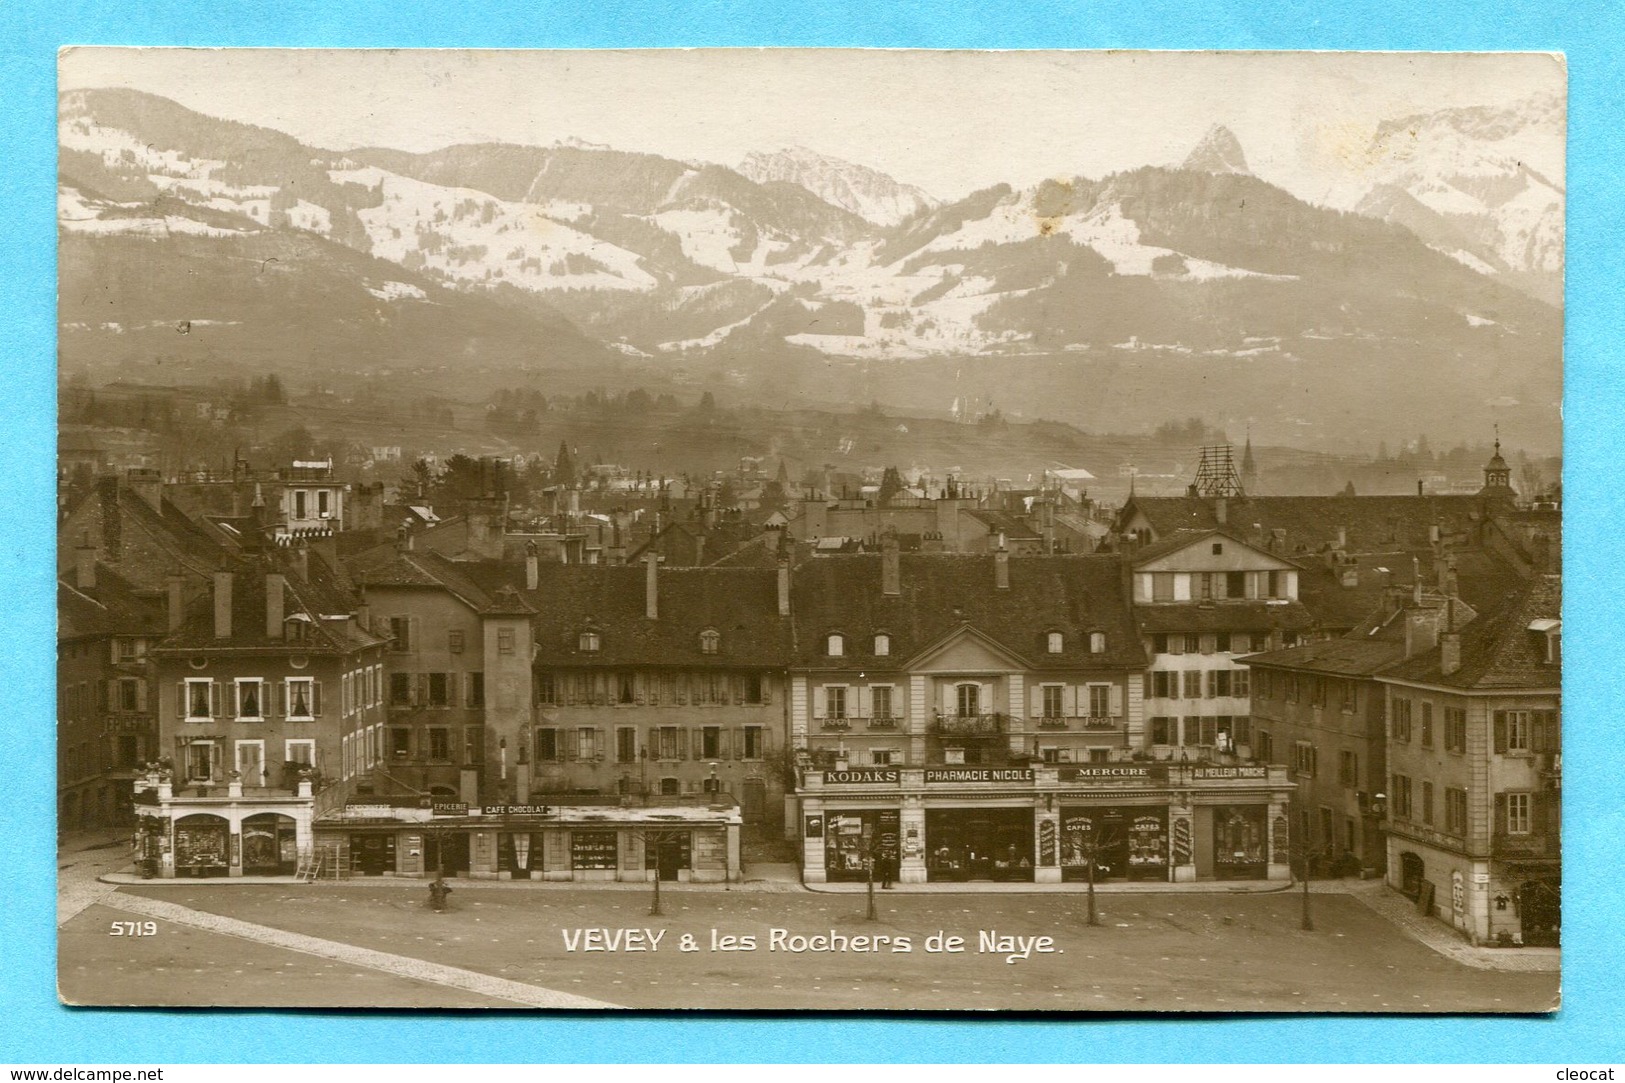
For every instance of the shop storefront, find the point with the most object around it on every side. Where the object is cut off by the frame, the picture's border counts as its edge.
(853, 837)
(1240, 843)
(1152, 822)
(270, 845)
(979, 844)
(223, 834)
(595, 851)
(202, 845)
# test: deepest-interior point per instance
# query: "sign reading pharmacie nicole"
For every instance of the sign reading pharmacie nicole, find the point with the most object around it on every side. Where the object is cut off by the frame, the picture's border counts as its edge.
(978, 774)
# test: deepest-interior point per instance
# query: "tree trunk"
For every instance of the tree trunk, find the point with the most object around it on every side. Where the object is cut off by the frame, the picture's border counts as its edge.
(870, 864)
(1094, 918)
(654, 911)
(1308, 923)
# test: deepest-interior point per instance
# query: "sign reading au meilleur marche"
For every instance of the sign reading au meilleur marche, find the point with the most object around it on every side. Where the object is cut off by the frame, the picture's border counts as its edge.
(1247, 771)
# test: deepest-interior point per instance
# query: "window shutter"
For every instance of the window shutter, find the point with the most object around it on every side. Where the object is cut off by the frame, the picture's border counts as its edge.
(277, 693)
(412, 633)
(1500, 731)
(1145, 685)
(1209, 642)
(1500, 813)
(985, 701)
(739, 742)
(1212, 682)
(767, 689)
(682, 743)
(564, 745)
(230, 692)
(180, 701)
(1545, 735)
(214, 699)
(141, 696)
(724, 746)
(1117, 701)
(866, 701)
(421, 699)
(108, 692)
(316, 699)
(946, 697)
(598, 746)
(820, 702)
(1035, 700)
(738, 682)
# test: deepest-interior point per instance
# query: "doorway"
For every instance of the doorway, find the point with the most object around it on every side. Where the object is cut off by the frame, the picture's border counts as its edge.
(671, 857)
(446, 852)
(372, 855)
(753, 800)
(270, 845)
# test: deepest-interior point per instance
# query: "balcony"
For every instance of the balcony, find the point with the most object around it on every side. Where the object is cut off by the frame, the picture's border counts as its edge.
(835, 725)
(1052, 723)
(968, 725)
(1541, 847)
(884, 722)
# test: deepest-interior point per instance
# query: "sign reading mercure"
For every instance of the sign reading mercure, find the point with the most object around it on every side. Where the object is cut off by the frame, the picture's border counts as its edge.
(862, 776)
(1105, 772)
(978, 774)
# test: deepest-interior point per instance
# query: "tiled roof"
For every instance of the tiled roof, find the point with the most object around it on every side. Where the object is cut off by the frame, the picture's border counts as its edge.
(1371, 523)
(1498, 651)
(318, 596)
(740, 604)
(111, 607)
(1073, 595)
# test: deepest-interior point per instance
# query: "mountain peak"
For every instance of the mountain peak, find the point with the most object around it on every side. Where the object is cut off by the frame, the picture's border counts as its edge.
(867, 193)
(1218, 152)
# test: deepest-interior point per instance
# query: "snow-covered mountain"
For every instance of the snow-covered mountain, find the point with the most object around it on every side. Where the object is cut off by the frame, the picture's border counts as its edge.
(867, 193)
(1483, 185)
(1218, 152)
(568, 254)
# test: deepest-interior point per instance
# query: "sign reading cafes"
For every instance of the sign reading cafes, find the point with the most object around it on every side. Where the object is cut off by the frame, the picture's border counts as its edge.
(862, 775)
(978, 774)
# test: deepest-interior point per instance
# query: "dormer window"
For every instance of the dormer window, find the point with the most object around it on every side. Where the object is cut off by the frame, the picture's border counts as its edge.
(1055, 642)
(1218, 549)
(835, 645)
(710, 641)
(587, 641)
(1097, 642)
(1549, 639)
(882, 645)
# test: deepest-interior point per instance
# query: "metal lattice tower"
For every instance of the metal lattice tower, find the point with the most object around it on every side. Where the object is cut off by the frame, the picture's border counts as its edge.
(1216, 472)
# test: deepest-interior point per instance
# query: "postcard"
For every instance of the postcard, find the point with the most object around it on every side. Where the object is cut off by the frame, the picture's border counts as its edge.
(838, 530)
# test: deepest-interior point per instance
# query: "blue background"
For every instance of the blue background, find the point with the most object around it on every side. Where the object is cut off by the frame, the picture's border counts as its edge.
(34, 1028)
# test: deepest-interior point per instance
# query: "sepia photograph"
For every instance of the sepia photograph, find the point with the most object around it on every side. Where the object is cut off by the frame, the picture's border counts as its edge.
(831, 530)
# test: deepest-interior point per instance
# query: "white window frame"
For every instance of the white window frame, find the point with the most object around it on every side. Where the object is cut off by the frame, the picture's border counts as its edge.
(1097, 642)
(835, 645)
(1519, 814)
(190, 745)
(586, 642)
(960, 697)
(1105, 692)
(1520, 731)
(710, 641)
(1055, 642)
(833, 692)
(310, 698)
(890, 691)
(1045, 691)
(237, 759)
(882, 645)
(292, 743)
(207, 685)
(237, 687)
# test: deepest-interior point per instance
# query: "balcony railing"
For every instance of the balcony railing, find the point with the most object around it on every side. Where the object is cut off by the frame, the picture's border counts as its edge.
(1052, 722)
(1524, 847)
(835, 724)
(884, 722)
(968, 725)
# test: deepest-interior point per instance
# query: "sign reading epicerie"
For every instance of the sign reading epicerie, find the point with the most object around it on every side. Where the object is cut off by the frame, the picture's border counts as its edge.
(978, 774)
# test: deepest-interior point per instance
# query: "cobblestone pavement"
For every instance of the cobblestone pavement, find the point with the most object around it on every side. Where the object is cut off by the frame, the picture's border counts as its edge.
(531, 996)
(82, 863)
(1443, 939)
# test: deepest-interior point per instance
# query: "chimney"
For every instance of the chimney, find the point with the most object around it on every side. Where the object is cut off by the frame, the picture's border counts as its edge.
(222, 605)
(1278, 539)
(891, 576)
(784, 586)
(1419, 487)
(531, 571)
(273, 606)
(1449, 652)
(651, 585)
(177, 601)
(1221, 510)
(84, 567)
(1001, 567)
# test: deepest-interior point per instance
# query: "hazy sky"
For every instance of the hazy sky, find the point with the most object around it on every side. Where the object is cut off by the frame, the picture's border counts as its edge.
(949, 122)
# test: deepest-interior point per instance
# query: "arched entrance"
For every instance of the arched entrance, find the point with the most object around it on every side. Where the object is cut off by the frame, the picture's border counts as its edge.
(1411, 871)
(270, 845)
(201, 845)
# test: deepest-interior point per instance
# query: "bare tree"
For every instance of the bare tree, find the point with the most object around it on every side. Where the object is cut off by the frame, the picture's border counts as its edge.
(1305, 853)
(1091, 845)
(654, 838)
